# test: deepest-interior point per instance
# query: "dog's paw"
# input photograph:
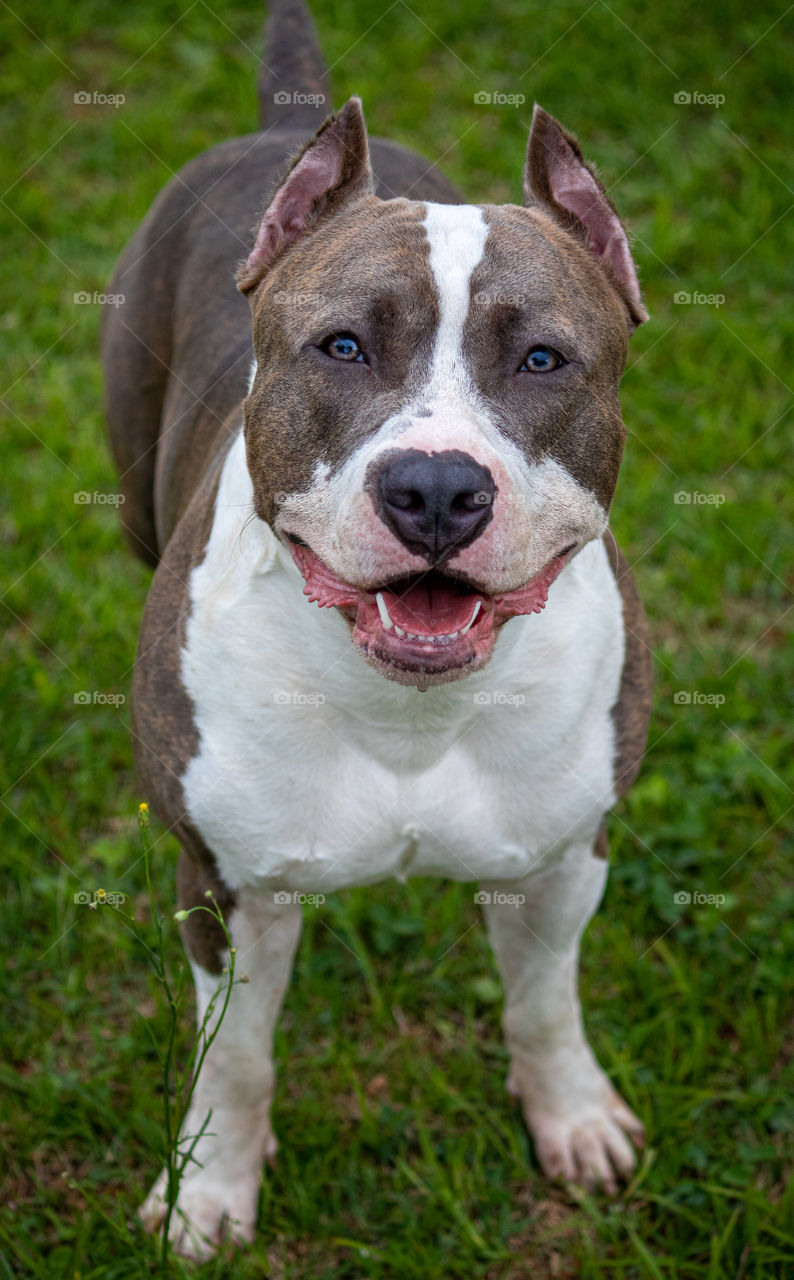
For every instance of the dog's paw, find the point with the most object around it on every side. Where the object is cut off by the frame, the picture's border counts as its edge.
(580, 1135)
(209, 1212)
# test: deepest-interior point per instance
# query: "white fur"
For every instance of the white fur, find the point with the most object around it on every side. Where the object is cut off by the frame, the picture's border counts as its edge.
(312, 768)
(456, 235)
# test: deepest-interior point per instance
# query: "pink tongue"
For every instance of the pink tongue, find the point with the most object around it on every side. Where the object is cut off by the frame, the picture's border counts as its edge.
(430, 608)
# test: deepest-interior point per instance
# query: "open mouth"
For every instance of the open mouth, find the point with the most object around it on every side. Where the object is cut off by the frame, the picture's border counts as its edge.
(429, 627)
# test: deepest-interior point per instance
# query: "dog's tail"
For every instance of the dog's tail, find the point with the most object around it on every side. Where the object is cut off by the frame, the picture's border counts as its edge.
(294, 90)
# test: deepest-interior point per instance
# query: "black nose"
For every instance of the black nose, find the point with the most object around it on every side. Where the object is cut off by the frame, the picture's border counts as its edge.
(436, 503)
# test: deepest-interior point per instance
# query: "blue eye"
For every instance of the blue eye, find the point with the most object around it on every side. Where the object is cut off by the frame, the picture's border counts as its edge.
(343, 346)
(541, 360)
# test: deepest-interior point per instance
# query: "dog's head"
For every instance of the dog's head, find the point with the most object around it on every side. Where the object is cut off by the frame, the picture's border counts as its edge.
(434, 426)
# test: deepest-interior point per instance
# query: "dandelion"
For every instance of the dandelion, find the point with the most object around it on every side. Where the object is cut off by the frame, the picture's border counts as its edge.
(143, 815)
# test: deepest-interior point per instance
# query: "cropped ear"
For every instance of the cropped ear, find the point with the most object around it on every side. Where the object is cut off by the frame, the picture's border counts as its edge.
(557, 176)
(331, 169)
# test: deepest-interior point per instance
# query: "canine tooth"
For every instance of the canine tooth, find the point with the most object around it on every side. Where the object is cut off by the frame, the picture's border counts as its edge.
(472, 619)
(384, 612)
(402, 634)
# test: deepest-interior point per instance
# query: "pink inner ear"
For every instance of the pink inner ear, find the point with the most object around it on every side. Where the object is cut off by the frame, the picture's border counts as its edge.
(319, 170)
(575, 189)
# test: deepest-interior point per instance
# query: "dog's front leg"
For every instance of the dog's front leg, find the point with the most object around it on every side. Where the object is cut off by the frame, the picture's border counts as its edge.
(578, 1122)
(230, 1107)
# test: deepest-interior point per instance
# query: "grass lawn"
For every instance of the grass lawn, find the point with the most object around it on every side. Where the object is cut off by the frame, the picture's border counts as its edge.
(401, 1154)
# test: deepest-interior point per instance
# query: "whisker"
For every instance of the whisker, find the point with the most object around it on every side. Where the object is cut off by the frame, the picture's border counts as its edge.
(245, 524)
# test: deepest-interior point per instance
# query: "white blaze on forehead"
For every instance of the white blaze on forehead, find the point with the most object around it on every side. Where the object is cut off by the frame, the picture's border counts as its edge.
(457, 235)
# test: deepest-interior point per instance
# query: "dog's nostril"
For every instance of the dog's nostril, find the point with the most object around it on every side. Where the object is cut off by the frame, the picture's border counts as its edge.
(405, 499)
(468, 501)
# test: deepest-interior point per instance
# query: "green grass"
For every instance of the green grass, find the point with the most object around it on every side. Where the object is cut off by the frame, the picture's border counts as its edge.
(401, 1155)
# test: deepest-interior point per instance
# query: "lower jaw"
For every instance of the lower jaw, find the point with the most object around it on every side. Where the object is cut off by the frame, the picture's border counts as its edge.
(420, 665)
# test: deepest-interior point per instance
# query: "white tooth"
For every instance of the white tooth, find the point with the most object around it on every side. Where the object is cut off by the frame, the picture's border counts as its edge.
(447, 638)
(472, 619)
(384, 612)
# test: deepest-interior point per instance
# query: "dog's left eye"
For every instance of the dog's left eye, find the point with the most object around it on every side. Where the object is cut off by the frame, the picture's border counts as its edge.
(343, 346)
(541, 360)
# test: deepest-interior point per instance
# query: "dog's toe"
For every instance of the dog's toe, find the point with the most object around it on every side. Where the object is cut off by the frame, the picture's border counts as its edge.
(588, 1146)
(208, 1213)
(582, 1129)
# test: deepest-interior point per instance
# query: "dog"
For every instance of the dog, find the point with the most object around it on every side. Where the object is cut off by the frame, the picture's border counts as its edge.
(389, 632)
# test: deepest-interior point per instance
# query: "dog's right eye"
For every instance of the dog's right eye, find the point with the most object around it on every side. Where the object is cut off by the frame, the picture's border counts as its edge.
(343, 346)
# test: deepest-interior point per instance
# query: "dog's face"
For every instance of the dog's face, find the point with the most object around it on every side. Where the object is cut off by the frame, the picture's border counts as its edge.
(434, 426)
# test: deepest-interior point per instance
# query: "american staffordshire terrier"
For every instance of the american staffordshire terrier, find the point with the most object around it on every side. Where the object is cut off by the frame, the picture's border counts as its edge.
(389, 633)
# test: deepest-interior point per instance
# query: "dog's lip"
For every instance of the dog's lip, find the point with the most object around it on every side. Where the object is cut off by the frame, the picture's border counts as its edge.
(432, 622)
